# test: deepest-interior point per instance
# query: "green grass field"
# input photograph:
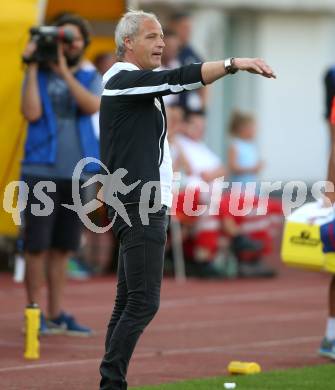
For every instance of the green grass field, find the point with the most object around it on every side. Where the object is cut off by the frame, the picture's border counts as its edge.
(309, 378)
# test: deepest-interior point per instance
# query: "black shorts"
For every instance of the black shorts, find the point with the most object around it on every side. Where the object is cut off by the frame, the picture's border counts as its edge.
(59, 230)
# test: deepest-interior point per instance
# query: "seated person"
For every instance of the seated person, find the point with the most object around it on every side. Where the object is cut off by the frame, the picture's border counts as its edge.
(243, 157)
(175, 115)
(206, 166)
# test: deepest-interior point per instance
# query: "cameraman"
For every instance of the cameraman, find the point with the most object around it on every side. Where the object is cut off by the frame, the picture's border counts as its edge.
(58, 100)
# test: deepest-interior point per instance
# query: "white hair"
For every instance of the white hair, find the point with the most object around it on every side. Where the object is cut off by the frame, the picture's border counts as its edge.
(128, 26)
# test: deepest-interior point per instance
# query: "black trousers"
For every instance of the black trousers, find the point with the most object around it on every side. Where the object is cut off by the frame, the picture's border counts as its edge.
(140, 273)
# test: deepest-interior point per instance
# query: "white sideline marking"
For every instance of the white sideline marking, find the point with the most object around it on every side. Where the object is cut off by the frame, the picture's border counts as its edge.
(232, 321)
(241, 297)
(172, 352)
(255, 344)
(48, 365)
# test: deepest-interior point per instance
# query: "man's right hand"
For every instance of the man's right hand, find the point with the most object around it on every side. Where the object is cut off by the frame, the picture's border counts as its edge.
(254, 65)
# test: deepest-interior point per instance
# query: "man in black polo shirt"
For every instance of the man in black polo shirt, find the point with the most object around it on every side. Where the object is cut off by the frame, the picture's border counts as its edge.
(133, 140)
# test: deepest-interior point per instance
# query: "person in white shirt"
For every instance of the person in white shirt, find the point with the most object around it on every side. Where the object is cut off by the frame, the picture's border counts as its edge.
(205, 167)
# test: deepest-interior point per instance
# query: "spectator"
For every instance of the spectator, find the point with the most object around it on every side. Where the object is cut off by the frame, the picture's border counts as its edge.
(206, 166)
(170, 61)
(174, 116)
(171, 49)
(243, 158)
(101, 247)
(104, 61)
(327, 347)
(58, 100)
(329, 82)
(180, 23)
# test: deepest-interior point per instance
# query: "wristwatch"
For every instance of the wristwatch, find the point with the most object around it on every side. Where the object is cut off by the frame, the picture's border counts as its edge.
(230, 66)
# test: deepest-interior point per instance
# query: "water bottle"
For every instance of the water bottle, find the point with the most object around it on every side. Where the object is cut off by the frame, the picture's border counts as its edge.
(236, 367)
(32, 327)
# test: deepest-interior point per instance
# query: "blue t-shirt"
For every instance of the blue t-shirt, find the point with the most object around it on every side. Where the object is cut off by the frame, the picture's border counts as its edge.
(69, 150)
(187, 56)
(247, 157)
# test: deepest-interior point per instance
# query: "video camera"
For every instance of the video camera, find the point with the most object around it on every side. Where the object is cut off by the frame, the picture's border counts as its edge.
(46, 39)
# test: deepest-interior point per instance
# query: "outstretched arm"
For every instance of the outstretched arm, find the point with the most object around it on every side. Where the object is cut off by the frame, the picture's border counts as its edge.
(212, 71)
(159, 83)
